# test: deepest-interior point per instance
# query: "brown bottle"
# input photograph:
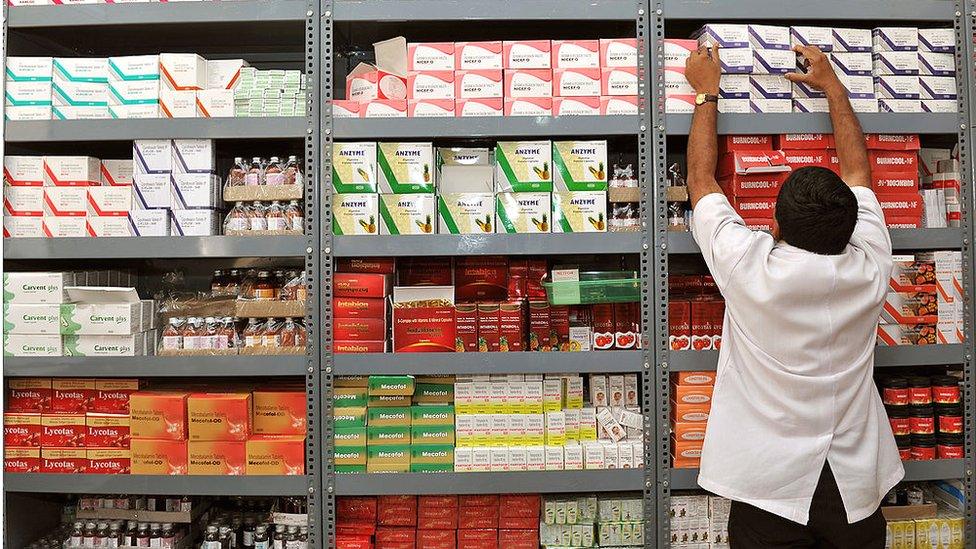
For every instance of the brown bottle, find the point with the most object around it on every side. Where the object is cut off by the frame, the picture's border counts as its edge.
(265, 288)
(253, 333)
(274, 172)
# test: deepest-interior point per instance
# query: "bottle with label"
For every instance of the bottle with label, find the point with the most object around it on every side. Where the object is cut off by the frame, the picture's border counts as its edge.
(293, 171)
(88, 534)
(278, 542)
(291, 539)
(295, 216)
(235, 177)
(101, 535)
(238, 219)
(247, 284)
(233, 282)
(226, 538)
(114, 535)
(303, 537)
(142, 535)
(265, 287)
(247, 533)
(168, 537)
(253, 335)
(77, 535)
(272, 333)
(194, 334)
(228, 332)
(289, 333)
(275, 217)
(255, 173)
(218, 283)
(274, 172)
(155, 535)
(129, 538)
(257, 216)
(261, 538)
(173, 334)
(212, 539)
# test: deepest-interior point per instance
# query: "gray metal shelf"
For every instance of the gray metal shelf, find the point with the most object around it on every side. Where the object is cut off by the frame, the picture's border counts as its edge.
(869, 11)
(496, 363)
(503, 10)
(940, 469)
(196, 485)
(901, 239)
(924, 123)
(79, 15)
(150, 247)
(155, 128)
(884, 357)
(521, 482)
(500, 126)
(508, 244)
(157, 366)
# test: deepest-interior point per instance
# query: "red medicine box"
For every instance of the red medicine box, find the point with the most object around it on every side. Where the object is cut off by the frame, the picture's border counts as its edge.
(423, 319)
(360, 329)
(72, 396)
(482, 278)
(112, 461)
(63, 431)
(907, 205)
(378, 265)
(603, 326)
(729, 143)
(511, 326)
(466, 328)
(893, 142)
(518, 539)
(754, 207)
(436, 539)
(437, 518)
(64, 460)
(800, 141)
(425, 271)
(112, 395)
(626, 326)
(706, 324)
(889, 162)
(21, 430)
(539, 327)
(489, 327)
(478, 516)
(752, 173)
(679, 325)
(107, 430)
(808, 157)
(359, 346)
(29, 394)
(21, 460)
(354, 307)
(356, 508)
(559, 327)
(361, 285)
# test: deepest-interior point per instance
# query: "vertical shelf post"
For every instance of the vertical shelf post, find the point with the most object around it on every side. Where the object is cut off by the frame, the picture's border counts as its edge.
(965, 26)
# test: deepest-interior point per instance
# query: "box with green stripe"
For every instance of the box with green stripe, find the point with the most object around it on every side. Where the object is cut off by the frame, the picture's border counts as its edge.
(579, 212)
(350, 455)
(385, 436)
(405, 168)
(355, 214)
(349, 436)
(133, 85)
(408, 214)
(80, 84)
(523, 212)
(579, 165)
(432, 434)
(466, 213)
(523, 166)
(354, 167)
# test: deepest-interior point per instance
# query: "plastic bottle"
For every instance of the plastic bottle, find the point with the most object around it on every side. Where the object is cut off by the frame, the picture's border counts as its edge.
(293, 171)
(291, 539)
(235, 177)
(272, 333)
(173, 334)
(257, 217)
(261, 538)
(255, 173)
(275, 217)
(265, 288)
(101, 535)
(114, 535)
(238, 219)
(226, 539)
(274, 172)
(303, 537)
(252, 334)
(247, 534)
(142, 535)
(295, 216)
(129, 538)
(88, 535)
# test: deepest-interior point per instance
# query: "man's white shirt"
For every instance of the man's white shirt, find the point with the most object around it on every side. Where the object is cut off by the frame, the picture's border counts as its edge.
(795, 383)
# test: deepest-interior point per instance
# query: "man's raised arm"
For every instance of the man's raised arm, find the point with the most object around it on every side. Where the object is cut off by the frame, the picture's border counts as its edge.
(703, 72)
(852, 150)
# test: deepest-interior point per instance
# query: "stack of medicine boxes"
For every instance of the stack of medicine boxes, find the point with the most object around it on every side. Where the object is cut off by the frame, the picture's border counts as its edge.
(28, 88)
(175, 187)
(406, 185)
(80, 88)
(133, 84)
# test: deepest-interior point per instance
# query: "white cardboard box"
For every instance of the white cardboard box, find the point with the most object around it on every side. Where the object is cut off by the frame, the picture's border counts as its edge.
(177, 103)
(575, 106)
(528, 106)
(66, 201)
(769, 37)
(23, 171)
(39, 112)
(40, 69)
(182, 71)
(618, 81)
(105, 345)
(149, 222)
(116, 172)
(109, 201)
(190, 191)
(897, 87)
(478, 55)
(27, 94)
(23, 227)
(937, 40)
(64, 227)
(430, 84)
(37, 287)
(72, 171)
(525, 83)
(903, 63)
(618, 52)
(938, 87)
(194, 222)
(31, 345)
(725, 35)
(152, 156)
(477, 84)
(224, 74)
(109, 226)
(895, 39)
(853, 63)
(23, 201)
(936, 64)
(576, 82)
(493, 106)
(216, 103)
(430, 108)
(576, 54)
(431, 56)
(527, 54)
(68, 112)
(32, 318)
(819, 37)
(193, 156)
(150, 191)
(767, 61)
(852, 40)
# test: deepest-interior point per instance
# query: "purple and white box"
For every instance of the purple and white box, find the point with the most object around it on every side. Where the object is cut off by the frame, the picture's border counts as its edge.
(194, 191)
(852, 40)
(820, 37)
(736, 60)
(733, 93)
(149, 222)
(772, 61)
(937, 40)
(896, 87)
(194, 223)
(152, 156)
(864, 104)
(770, 93)
(810, 104)
(899, 105)
(936, 64)
(194, 156)
(858, 87)
(938, 87)
(150, 191)
(725, 35)
(895, 63)
(894, 39)
(769, 37)
(803, 91)
(939, 105)
(853, 63)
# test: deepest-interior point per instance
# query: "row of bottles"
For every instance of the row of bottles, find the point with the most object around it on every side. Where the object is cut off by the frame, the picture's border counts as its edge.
(258, 216)
(118, 534)
(219, 334)
(264, 284)
(265, 172)
(255, 536)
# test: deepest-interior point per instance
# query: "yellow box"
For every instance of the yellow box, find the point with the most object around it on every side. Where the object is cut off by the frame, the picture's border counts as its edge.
(276, 455)
(219, 416)
(279, 412)
(158, 457)
(216, 458)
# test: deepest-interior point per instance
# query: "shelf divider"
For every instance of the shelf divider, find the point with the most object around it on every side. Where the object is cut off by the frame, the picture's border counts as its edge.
(526, 362)
(157, 366)
(488, 244)
(548, 482)
(154, 128)
(150, 247)
(194, 485)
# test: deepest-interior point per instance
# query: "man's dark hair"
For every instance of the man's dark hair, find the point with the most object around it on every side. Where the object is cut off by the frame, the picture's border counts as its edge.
(816, 211)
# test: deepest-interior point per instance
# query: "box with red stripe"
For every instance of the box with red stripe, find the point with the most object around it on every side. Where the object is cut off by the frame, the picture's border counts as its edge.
(72, 171)
(23, 171)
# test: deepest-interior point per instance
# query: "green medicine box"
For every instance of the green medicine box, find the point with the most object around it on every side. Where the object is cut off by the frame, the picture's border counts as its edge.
(431, 467)
(398, 416)
(350, 417)
(353, 455)
(433, 393)
(432, 434)
(387, 436)
(437, 454)
(426, 414)
(391, 385)
(349, 436)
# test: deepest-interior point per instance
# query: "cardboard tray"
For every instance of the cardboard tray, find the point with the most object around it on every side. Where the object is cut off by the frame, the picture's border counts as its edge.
(268, 351)
(264, 193)
(196, 352)
(264, 233)
(269, 309)
(624, 194)
(677, 194)
(910, 512)
(143, 515)
(289, 519)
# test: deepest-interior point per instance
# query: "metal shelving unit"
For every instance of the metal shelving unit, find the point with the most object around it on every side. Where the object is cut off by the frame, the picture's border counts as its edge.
(199, 485)
(523, 482)
(503, 126)
(155, 128)
(149, 247)
(901, 239)
(496, 363)
(156, 366)
(489, 244)
(885, 357)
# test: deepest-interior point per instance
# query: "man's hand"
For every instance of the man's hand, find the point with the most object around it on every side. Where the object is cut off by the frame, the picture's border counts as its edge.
(702, 69)
(820, 73)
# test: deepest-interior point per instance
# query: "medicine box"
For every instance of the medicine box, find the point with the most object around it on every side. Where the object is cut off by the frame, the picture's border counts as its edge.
(149, 222)
(105, 226)
(355, 214)
(65, 201)
(81, 84)
(354, 167)
(575, 106)
(37, 287)
(618, 52)
(405, 168)
(105, 345)
(199, 222)
(523, 166)
(103, 311)
(177, 103)
(479, 107)
(71, 171)
(528, 106)
(109, 201)
(193, 156)
(576, 82)
(183, 71)
(116, 172)
(27, 94)
(190, 191)
(36, 69)
(528, 83)
(215, 103)
(152, 156)
(150, 191)
(575, 54)
(23, 201)
(431, 56)
(31, 345)
(430, 108)
(408, 214)
(430, 84)
(133, 86)
(526, 54)
(579, 165)
(478, 55)
(466, 213)
(523, 212)
(224, 74)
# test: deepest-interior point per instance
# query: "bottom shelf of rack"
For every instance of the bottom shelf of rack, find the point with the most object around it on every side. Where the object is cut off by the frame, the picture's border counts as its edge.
(202, 485)
(687, 479)
(521, 482)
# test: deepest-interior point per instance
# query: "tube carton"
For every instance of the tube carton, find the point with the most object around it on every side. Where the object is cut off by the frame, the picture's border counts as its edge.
(478, 55)
(431, 56)
(575, 54)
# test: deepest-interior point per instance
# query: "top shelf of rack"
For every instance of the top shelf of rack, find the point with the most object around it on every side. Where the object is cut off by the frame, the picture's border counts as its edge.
(499, 10)
(869, 11)
(166, 13)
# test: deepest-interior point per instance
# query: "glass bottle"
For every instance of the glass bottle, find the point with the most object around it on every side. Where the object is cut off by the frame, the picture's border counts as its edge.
(168, 537)
(252, 334)
(142, 535)
(88, 535)
(293, 171)
(280, 279)
(275, 217)
(155, 535)
(212, 538)
(272, 333)
(255, 173)
(303, 537)
(129, 538)
(209, 339)
(114, 535)
(226, 541)
(101, 535)
(265, 288)
(194, 334)
(291, 539)
(186, 502)
(77, 534)
(295, 216)
(228, 329)
(173, 334)
(289, 333)
(274, 172)
(238, 219)
(247, 284)
(261, 538)
(247, 536)
(233, 282)
(257, 217)
(235, 177)
(278, 541)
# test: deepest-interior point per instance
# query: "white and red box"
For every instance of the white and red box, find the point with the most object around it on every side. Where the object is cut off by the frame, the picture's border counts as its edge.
(72, 171)
(116, 173)
(893, 161)
(803, 158)
(736, 143)
(23, 201)
(679, 325)
(347, 108)
(799, 141)
(67, 201)
(901, 206)
(528, 83)
(492, 106)
(109, 201)
(619, 81)
(575, 54)
(64, 227)
(618, 105)
(385, 108)
(528, 106)
(892, 142)
(576, 106)
(478, 55)
(620, 52)
(430, 85)
(431, 56)
(479, 84)
(527, 54)
(707, 319)
(23, 171)
(430, 108)
(754, 207)
(108, 226)
(576, 82)
(23, 227)
(753, 174)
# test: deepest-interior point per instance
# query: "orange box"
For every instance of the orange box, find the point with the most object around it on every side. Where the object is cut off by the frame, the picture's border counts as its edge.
(29, 394)
(107, 430)
(64, 460)
(279, 412)
(21, 460)
(158, 415)
(690, 412)
(687, 455)
(112, 461)
(112, 395)
(694, 378)
(276, 455)
(72, 395)
(689, 431)
(158, 457)
(21, 430)
(692, 394)
(219, 416)
(216, 457)
(63, 430)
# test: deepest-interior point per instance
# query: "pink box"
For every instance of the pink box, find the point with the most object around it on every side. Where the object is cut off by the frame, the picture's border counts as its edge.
(617, 105)
(528, 83)
(430, 56)
(67, 201)
(430, 108)
(491, 106)
(618, 52)
(576, 82)
(679, 104)
(479, 84)
(528, 106)
(575, 106)
(619, 81)
(430, 85)
(478, 55)
(575, 54)
(527, 54)
(385, 108)
(347, 108)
